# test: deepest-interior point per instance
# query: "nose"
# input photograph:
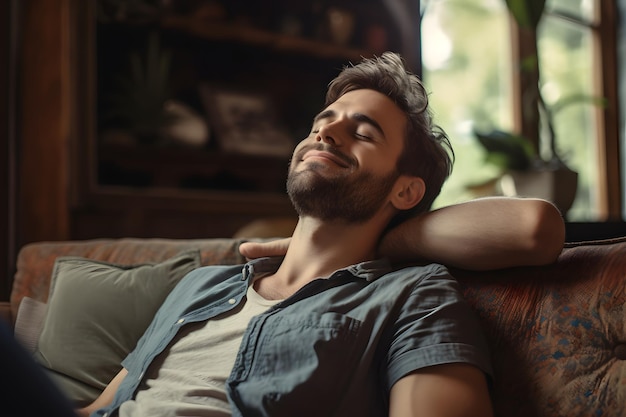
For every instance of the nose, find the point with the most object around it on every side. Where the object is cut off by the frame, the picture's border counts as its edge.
(328, 134)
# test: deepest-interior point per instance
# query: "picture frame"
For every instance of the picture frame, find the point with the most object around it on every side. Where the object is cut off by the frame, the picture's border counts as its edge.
(245, 122)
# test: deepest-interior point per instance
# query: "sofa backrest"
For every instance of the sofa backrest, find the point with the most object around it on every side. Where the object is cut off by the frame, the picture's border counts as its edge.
(557, 333)
(35, 261)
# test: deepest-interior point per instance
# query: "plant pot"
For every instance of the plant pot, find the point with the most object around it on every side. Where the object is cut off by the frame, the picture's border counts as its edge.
(557, 185)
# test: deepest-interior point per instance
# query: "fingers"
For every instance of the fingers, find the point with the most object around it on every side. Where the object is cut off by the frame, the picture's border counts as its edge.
(253, 250)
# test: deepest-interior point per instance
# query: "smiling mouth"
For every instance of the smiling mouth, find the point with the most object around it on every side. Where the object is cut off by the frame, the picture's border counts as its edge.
(327, 156)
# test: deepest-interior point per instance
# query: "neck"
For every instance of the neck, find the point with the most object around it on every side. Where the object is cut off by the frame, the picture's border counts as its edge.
(319, 248)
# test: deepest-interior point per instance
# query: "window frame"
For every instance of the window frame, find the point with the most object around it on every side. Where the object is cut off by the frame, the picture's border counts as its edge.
(604, 36)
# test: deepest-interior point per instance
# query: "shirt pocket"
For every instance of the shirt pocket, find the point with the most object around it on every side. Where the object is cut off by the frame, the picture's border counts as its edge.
(301, 365)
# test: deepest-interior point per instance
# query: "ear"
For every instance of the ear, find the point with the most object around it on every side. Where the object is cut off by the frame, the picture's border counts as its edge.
(407, 192)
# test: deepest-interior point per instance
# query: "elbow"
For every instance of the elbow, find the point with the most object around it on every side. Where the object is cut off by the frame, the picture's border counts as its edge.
(547, 231)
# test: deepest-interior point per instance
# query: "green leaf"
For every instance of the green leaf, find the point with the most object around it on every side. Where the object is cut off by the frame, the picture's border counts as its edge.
(138, 101)
(506, 150)
(527, 13)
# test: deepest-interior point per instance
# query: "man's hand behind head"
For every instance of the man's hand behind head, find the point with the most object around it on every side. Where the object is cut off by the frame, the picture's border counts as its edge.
(253, 250)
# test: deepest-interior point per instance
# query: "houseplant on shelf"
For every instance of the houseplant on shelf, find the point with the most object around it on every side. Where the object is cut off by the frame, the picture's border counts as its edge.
(527, 171)
(141, 104)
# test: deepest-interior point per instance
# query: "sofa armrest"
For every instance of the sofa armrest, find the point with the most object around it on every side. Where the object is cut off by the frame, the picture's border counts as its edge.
(5, 313)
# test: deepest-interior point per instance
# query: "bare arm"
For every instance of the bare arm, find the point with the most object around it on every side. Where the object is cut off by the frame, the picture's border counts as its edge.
(481, 234)
(454, 390)
(106, 396)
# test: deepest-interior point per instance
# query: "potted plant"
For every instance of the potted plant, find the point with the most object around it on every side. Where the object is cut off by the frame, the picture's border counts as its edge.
(142, 104)
(524, 171)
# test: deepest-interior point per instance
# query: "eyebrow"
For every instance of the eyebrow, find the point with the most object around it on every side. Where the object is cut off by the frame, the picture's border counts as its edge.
(359, 117)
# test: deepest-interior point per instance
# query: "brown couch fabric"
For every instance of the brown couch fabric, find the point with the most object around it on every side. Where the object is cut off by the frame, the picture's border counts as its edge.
(36, 260)
(557, 333)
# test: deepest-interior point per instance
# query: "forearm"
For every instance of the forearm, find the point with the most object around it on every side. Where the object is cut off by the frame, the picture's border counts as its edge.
(481, 234)
(106, 397)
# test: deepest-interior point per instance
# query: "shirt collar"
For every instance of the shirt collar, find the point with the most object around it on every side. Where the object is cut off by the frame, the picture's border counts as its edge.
(368, 270)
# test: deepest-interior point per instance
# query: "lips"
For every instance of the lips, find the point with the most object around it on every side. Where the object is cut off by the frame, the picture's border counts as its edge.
(326, 155)
(322, 151)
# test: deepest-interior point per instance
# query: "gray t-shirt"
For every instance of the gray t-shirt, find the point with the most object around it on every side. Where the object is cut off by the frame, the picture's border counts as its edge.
(189, 376)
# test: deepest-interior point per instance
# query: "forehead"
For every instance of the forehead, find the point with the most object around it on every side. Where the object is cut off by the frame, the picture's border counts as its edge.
(376, 106)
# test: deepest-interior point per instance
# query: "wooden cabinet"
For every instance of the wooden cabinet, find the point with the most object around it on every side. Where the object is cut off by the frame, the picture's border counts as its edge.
(117, 175)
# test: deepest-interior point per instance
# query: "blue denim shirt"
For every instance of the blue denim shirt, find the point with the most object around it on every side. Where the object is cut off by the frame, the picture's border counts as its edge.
(335, 347)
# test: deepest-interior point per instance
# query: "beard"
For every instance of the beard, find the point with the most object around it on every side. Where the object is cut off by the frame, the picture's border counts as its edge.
(353, 199)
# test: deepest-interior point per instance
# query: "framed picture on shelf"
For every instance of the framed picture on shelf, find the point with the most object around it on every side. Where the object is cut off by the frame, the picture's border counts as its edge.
(245, 122)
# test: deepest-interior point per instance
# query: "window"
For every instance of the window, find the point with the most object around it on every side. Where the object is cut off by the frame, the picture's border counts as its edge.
(569, 67)
(468, 48)
(467, 68)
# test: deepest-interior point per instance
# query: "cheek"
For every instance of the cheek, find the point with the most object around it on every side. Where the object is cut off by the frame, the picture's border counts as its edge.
(297, 154)
(377, 161)
(304, 142)
(298, 149)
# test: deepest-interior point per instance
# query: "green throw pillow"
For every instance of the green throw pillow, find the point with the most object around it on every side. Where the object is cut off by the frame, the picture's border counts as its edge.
(96, 314)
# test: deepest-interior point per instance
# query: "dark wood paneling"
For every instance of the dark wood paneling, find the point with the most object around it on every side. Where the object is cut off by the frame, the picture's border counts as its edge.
(6, 149)
(45, 120)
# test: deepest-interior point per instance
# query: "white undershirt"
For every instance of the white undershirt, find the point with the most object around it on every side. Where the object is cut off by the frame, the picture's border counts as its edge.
(188, 377)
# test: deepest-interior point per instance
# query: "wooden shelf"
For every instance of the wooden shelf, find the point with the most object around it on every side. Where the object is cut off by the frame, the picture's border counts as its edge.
(190, 169)
(220, 31)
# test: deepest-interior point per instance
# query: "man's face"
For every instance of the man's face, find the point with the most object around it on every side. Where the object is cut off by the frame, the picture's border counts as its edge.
(346, 167)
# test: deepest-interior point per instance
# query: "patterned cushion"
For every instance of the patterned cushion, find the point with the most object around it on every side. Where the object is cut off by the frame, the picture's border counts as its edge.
(557, 333)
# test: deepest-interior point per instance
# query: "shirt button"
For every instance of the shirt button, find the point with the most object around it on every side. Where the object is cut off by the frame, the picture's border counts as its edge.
(180, 321)
(232, 301)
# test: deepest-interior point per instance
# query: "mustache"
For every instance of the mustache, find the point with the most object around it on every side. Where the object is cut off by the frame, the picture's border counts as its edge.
(322, 147)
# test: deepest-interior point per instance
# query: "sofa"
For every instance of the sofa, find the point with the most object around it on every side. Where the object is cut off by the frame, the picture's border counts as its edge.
(557, 333)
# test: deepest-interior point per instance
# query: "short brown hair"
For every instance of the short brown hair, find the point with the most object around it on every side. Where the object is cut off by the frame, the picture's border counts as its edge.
(427, 150)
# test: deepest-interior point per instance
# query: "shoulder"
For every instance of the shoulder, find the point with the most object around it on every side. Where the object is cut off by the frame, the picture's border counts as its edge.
(422, 275)
(199, 287)
(434, 325)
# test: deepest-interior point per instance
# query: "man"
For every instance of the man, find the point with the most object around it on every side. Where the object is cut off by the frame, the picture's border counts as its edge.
(329, 329)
